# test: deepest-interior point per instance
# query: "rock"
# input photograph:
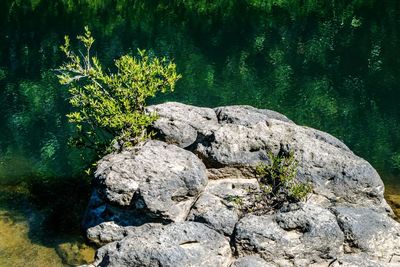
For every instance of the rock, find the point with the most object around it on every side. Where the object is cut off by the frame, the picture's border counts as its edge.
(239, 137)
(335, 172)
(359, 260)
(175, 132)
(181, 124)
(94, 211)
(73, 254)
(99, 211)
(163, 180)
(297, 237)
(228, 172)
(176, 203)
(231, 187)
(213, 209)
(235, 145)
(247, 115)
(369, 231)
(107, 232)
(177, 244)
(326, 138)
(251, 261)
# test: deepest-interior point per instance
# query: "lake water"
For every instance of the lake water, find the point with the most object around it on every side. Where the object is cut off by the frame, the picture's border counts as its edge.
(324, 64)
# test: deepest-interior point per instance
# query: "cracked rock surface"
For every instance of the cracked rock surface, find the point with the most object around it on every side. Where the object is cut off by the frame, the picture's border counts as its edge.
(164, 203)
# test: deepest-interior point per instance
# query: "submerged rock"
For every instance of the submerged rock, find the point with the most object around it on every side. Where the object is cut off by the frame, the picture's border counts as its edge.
(167, 203)
(74, 254)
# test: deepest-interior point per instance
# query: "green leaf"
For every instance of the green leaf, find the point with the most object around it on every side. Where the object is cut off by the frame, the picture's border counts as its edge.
(111, 106)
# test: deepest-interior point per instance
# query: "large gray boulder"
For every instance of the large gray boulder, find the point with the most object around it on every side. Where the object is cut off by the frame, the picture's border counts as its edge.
(176, 202)
(243, 137)
(174, 245)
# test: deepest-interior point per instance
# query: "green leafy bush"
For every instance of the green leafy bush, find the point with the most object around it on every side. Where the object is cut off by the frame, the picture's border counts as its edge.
(278, 186)
(111, 106)
(280, 177)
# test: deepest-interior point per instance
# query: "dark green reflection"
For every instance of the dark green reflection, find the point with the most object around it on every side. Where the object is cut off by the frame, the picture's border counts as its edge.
(332, 65)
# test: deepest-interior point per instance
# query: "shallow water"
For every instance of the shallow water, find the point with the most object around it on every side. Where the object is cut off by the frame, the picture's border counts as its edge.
(392, 194)
(26, 241)
(16, 249)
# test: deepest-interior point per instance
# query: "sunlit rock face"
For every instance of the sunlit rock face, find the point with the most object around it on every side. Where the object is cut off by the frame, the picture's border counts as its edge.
(154, 181)
(164, 203)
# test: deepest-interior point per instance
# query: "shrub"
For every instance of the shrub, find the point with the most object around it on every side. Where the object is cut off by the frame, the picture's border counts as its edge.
(278, 186)
(280, 176)
(111, 106)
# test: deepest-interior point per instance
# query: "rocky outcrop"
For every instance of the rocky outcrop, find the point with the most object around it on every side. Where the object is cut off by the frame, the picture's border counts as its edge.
(167, 203)
(244, 136)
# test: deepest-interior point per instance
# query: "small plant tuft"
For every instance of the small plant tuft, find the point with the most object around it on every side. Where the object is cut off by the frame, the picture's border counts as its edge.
(278, 186)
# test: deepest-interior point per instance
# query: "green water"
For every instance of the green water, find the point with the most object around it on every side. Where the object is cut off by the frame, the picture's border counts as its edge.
(333, 65)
